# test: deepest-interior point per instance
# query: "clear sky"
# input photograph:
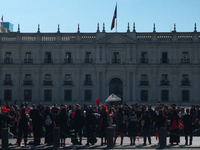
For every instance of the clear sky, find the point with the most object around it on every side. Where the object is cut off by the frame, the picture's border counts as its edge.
(68, 13)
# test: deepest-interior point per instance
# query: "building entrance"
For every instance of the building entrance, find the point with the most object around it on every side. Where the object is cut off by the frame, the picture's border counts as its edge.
(116, 87)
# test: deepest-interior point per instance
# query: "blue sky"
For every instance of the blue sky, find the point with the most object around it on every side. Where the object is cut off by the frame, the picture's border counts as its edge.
(68, 13)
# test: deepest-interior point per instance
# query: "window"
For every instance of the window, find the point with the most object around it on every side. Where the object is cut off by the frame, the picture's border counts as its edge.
(68, 79)
(88, 80)
(88, 95)
(144, 58)
(7, 95)
(144, 80)
(8, 59)
(164, 95)
(144, 95)
(185, 58)
(185, 80)
(47, 77)
(8, 80)
(28, 58)
(88, 57)
(27, 95)
(185, 95)
(28, 80)
(48, 58)
(68, 57)
(68, 95)
(164, 80)
(47, 80)
(8, 77)
(47, 95)
(116, 58)
(164, 58)
(8, 55)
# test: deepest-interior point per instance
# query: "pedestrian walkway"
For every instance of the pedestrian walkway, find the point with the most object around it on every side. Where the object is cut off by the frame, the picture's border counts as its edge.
(126, 144)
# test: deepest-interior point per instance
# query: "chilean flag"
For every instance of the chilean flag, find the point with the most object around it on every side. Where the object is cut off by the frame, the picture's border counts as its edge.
(2, 18)
(114, 16)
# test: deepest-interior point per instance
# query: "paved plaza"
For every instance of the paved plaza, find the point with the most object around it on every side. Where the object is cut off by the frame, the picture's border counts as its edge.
(126, 144)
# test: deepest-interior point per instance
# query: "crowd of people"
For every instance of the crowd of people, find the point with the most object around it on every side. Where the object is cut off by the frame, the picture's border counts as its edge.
(76, 121)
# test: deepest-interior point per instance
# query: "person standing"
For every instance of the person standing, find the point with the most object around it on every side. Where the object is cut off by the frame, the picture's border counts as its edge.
(160, 121)
(119, 125)
(174, 128)
(78, 124)
(132, 127)
(37, 126)
(49, 125)
(146, 127)
(103, 124)
(22, 127)
(62, 122)
(187, 123)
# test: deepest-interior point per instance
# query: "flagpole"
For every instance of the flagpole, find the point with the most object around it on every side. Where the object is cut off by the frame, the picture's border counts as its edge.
(116, 16)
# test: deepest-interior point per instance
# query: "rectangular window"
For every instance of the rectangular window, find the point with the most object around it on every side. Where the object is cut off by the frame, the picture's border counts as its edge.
(144, 95)
(88, 55)
(144, 77)
(7, 95)
(185, 55)
(144, 55)
(27, 77)
(164, 80)
(8, 55)
(47, 95)
(164, 95)
(68, 77)
(164, 57)
(8, 77)
(88, 95)
(116, 55)
(48, 57)
(47, 77)
(27, 95)
(28, 55)
(185, 77)
(88, 77)
(186, 96)
(68, 95)
(68, 57)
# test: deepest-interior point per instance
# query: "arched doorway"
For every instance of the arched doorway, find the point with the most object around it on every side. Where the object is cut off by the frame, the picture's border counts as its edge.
(116, 87)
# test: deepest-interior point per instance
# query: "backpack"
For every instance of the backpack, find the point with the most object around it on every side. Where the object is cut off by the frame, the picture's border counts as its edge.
(48, 120)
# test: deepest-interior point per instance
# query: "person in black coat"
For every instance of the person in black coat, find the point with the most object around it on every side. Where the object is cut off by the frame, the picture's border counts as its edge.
(22, 127)
(187, 122)
(2, 120)
(174, 128)
(132, 127)
(49, 125)
(62, 122)
(90, 121)
(37, 126)
(160, 121)
(146, 127)
(78, 124)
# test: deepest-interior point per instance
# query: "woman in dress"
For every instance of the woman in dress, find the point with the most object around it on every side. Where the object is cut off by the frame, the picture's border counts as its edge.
(62, 122)
(174, 128)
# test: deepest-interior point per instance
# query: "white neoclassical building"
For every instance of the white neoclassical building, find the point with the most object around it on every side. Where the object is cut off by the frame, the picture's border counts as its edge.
(80, 67)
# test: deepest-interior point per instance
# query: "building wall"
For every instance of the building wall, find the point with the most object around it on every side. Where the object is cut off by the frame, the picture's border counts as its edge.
(102, 70)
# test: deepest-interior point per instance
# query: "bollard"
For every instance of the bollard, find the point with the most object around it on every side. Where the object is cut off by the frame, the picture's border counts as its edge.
(4, 138)
(109, 132)
(162, 136)
(56, 137)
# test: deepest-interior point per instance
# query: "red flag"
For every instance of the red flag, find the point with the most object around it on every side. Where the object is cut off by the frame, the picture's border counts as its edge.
(181, 125)
(157, 135)
(137, 138)
(2, 18)
(114, 16)
(97, 101)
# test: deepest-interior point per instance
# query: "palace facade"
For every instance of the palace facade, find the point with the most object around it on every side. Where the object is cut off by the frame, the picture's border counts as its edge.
(80, 67)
